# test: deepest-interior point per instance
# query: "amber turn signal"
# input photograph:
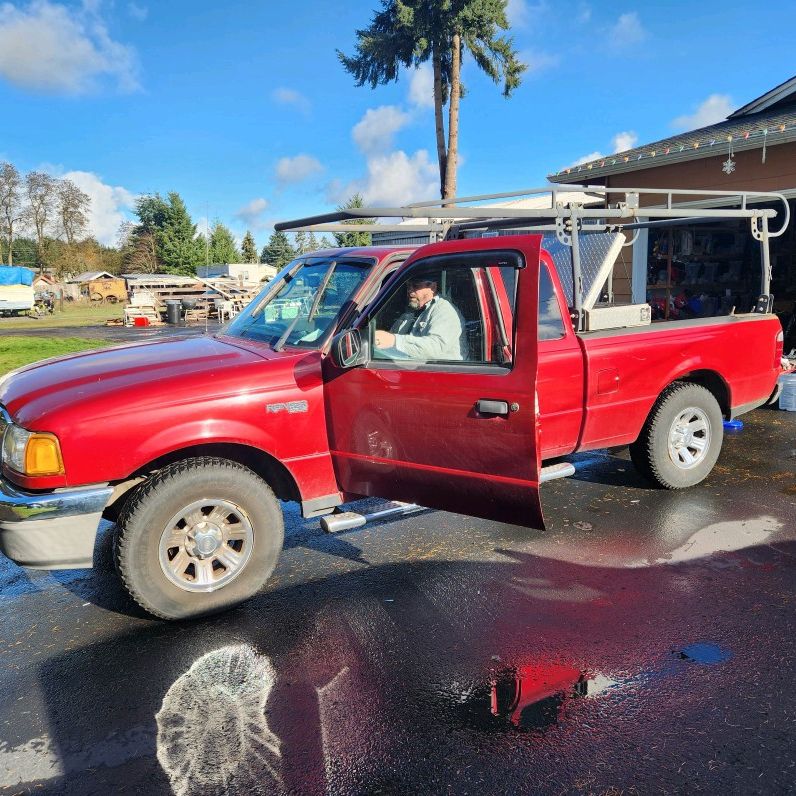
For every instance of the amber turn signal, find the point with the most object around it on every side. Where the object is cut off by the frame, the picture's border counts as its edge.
(43, 455)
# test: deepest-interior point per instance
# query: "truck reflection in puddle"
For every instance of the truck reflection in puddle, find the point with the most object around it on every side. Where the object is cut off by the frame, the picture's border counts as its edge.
(530, 698)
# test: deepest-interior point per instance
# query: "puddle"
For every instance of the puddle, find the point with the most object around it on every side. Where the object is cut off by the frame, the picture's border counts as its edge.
(529, 698)
(704, 653)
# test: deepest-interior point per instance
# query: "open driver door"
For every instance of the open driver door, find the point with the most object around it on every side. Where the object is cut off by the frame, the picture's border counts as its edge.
(455, 431)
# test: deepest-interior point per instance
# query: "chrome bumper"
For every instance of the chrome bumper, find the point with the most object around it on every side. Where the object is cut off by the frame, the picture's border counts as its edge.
(51, 530)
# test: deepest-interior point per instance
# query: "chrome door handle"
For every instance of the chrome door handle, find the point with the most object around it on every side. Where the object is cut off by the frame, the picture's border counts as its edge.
(487, 407)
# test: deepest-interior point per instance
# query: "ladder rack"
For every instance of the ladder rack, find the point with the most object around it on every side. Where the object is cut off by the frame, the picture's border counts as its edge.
(605, 210)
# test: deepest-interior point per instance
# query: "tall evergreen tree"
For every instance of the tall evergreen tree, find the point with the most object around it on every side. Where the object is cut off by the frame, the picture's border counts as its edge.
(312, 242)
(407, 33)
(223, 248)
(278, 252)
(300, 239)
(178, 247)
(249, 248)
(354, 238)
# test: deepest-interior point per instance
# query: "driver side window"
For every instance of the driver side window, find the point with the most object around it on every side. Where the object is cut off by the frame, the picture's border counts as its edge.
(445, 310)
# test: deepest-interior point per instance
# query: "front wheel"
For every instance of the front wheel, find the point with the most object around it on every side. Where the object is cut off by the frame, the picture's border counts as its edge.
(200, 536)
(681, 440)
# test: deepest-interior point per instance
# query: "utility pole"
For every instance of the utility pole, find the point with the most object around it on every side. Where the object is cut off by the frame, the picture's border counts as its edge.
(207, 233)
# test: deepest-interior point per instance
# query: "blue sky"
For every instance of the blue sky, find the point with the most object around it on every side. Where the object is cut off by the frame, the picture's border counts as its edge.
(243, 108)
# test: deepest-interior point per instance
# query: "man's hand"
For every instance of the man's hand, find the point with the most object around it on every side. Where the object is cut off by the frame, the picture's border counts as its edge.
(384, 339)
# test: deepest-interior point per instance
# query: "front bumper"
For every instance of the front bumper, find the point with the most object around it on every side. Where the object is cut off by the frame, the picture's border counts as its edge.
(51, 530)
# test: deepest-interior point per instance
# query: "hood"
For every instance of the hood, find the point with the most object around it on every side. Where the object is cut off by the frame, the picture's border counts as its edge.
(112, 381)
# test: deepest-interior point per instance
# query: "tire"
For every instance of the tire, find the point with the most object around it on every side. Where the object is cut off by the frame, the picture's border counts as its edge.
(681, 439)
(178, 558)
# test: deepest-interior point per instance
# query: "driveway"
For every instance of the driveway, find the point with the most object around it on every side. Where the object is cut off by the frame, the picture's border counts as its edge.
(644, 643)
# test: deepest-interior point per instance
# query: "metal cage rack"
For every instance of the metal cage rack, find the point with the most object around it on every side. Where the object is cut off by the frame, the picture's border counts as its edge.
(609, 211)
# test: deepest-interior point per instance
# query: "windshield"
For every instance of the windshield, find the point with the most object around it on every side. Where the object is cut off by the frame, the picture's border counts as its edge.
(305, 306)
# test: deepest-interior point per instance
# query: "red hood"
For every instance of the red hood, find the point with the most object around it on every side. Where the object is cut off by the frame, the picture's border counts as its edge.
(112, 381)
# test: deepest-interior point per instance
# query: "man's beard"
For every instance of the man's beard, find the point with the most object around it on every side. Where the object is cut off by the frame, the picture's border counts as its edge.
(414, 304)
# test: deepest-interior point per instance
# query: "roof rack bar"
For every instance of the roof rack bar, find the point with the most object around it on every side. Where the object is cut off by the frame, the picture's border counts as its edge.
(551, 189)
(673, 222)
(349, 227)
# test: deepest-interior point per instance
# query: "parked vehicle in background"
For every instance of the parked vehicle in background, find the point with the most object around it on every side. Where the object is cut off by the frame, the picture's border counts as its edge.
(191, 444)
(16, 290)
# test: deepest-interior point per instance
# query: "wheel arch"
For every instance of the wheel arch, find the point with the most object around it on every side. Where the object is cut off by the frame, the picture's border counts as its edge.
(266, 466)
(712, 381)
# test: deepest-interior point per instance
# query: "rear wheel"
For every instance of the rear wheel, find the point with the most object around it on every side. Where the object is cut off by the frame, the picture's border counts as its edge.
(682, 438)
(200, 536)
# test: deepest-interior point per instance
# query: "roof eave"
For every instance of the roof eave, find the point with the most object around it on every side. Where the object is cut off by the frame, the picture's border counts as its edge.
(643, 163)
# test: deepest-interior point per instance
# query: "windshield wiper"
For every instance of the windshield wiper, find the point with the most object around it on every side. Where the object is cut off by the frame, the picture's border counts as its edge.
(280, 343)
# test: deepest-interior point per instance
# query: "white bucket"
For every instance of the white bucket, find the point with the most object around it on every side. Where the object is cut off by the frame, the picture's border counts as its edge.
(787, 399)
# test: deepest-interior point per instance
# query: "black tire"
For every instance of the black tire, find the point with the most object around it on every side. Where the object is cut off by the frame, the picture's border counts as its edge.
(652, 454)
(147, 515)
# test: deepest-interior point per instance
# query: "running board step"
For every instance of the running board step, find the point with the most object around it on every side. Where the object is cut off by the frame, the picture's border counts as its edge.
(553, 471)
(345, 520)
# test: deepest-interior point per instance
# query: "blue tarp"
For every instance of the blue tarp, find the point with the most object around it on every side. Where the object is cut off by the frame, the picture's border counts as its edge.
(15, 275)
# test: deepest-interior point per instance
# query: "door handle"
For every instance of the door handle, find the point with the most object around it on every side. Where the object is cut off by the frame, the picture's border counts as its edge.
(487, 407)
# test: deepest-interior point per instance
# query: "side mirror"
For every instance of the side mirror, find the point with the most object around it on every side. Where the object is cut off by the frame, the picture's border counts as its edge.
(348, 349)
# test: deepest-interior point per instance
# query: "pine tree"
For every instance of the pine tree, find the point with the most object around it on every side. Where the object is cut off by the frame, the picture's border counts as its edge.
(354, 238)
(278, 252)
(326, 243)
(407, 33)
(312, 242)
(178, 247)
(249, 248)
(301, 242)
(222, 245)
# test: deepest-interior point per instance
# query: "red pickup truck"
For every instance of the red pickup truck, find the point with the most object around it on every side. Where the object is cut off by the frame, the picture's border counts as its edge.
(190, 444)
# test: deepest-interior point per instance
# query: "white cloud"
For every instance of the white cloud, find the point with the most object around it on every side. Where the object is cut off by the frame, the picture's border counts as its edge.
(393, 178)
(108, 204)
(251, 214)
(421, 87)
(538, 61)
(289, 96)
(137, 12)
(203, 226)
(297, 169)
(53, 48)
(375, 131)
(624, 140)
(716, 108)
(626, 31)
(587, 158)
(521, 14)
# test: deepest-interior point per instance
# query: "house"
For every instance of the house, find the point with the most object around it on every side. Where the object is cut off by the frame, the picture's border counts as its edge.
(711, 268)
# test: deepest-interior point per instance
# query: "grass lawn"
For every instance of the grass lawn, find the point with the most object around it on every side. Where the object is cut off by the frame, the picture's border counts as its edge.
(74, 314)
(18, 351)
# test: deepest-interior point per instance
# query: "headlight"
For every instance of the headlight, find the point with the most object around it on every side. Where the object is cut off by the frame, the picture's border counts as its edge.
(32, 452)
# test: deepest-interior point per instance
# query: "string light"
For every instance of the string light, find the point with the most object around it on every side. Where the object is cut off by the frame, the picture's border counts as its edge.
(746, 135)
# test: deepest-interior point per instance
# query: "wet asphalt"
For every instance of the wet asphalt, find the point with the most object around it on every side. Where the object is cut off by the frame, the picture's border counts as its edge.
(643, 643)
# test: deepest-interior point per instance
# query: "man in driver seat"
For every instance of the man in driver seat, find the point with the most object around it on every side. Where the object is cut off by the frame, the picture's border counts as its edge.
(430, 329)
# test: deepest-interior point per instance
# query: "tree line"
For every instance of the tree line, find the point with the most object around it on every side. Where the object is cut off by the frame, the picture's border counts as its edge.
(43, 220)
(44, 225)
